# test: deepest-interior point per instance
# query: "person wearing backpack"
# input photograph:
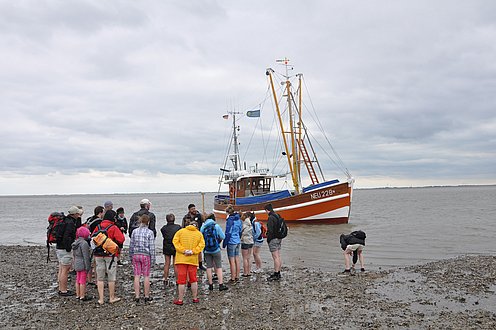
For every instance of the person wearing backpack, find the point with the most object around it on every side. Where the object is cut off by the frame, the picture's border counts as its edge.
(246, 243)
(168, 231)
(142, 254)
(353, 245)
(66, 235)
(259, 231)
(213, 235)
(234, 227)
(145, 206)
(274, 239)
(105, 264)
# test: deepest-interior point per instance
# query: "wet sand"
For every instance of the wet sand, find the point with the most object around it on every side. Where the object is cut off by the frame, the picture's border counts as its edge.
(449, 294)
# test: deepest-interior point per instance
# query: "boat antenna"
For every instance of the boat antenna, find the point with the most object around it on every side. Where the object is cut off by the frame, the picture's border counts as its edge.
(235, 157)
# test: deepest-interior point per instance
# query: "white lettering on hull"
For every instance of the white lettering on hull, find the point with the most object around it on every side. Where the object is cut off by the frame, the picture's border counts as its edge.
(322, 194)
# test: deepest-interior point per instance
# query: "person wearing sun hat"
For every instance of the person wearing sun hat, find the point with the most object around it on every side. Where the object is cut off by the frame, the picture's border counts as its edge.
(145, 206)
(66, 235)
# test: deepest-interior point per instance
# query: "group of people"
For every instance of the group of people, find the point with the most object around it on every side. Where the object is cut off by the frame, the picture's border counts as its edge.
(188, 246)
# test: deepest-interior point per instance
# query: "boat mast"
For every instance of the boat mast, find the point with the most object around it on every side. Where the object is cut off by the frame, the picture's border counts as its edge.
(292, 163)
(235, 157)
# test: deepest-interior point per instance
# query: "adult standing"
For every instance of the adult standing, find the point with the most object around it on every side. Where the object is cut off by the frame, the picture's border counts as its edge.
(189, 243)
(194, 215)
(234, 226)
(108, 205)
(142, 253)
(145, 206)
(213, 235)
(258, 239)
(168, 231)
(246, 243)
(66, 235)
(274, 242)
(96, 218)
(105, 264)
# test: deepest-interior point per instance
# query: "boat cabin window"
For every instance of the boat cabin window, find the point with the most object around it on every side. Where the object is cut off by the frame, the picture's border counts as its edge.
(253, 186)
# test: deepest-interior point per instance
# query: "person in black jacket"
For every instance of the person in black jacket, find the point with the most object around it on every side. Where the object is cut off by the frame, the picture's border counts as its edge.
(168, 231)
(66, 235)
(274, 242)
(134, 223)
(353, 245)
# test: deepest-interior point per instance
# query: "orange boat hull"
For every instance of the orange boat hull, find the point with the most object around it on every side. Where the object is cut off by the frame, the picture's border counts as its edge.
(330, 204)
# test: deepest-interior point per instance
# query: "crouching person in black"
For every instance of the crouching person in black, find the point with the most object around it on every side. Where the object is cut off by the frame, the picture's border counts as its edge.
(353, 245)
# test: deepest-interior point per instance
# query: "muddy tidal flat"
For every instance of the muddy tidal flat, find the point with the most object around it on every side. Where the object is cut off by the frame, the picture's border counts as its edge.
(455, 293)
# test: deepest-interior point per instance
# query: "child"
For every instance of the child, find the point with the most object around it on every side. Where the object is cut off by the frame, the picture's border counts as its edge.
(82, 261)
(142, 253)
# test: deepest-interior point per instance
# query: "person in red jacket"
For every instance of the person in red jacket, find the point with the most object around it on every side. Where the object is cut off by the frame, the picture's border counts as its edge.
(105, 263)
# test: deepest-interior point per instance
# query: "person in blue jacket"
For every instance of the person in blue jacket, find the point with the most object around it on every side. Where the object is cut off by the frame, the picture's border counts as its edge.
(213, 235)
(234, 226)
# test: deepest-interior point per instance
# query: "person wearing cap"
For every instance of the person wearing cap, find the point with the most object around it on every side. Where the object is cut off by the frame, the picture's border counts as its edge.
(108, 205)
(145, 205)
(67, 234)
(194, 215)
(105, 264)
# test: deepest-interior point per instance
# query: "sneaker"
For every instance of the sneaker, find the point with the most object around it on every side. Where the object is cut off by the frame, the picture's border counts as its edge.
(196, 300)
(362, 269)
(68, 293)
(210, 287)
(178, 302)
(274, 277)
(148, 299)
(136, 300)
(345, 272)
(223, 287)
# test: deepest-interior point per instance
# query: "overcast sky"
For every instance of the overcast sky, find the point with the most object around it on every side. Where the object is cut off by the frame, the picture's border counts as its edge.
(128, 96)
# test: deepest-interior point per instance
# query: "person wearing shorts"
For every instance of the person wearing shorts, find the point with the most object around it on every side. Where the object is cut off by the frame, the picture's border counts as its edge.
(189, 243)
(64, 249)
(212, 254)
(105, 264)
(246, 243)
(234, 227)
(353, 245)
(274, 243)
(168, 231)
(258, 241)
(142, 254)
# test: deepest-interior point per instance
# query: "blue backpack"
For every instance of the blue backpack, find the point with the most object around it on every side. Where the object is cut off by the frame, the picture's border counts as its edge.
(211, 239)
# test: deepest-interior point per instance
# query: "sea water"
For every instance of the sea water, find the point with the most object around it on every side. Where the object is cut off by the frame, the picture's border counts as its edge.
(404, 226)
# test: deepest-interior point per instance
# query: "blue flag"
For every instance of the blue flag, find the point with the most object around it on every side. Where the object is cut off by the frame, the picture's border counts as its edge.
(253, 113)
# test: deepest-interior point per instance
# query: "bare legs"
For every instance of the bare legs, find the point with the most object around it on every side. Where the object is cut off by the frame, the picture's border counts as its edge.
(276, 255)
(146, 284)
(167, 266)
(62, 277)
(234, 265)
(181, 288)
(256, 256)
(101, 290)
(246, 253)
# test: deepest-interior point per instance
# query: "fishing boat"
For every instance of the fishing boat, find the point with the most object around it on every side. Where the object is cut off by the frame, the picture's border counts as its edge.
(305, 195)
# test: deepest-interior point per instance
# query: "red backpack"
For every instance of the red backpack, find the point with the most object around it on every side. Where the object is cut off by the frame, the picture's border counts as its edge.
(54, 232)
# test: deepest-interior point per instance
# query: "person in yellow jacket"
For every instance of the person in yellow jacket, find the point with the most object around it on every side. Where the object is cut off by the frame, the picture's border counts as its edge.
(189, 243)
